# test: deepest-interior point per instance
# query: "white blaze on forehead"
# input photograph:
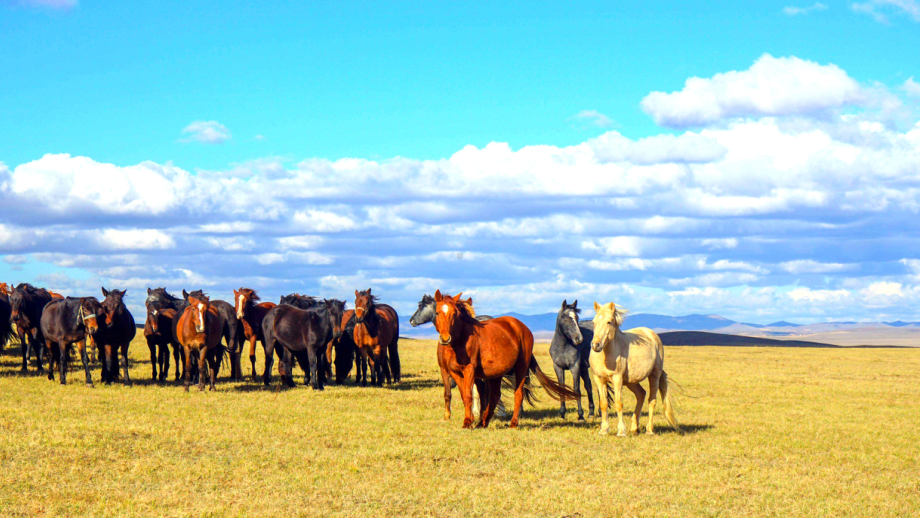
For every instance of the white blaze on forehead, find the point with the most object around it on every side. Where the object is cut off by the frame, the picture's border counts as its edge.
(444, 309)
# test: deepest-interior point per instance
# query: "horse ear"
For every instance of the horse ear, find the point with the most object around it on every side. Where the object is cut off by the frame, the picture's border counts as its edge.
(184, 293)
(368, 291)
(575, 304)
(236, 294)
(438, 297)
(123, 292)
(105, 292)
(564, 303)
(356, 293)
(457, 297)
(149, 291)
(597, 307)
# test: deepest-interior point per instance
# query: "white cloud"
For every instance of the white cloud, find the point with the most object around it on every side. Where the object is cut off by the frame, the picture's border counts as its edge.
(720, 243)
(771, 87)
(809, 266)
(594, 117)
(911, 87)
(207, 132)
(49, 4)
(878, 8)
(135, 239)
(299, 242)
(795, 11)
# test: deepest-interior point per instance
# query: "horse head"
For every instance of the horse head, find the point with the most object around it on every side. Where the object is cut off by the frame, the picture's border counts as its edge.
(336, 309)
(243, 299)
(364, 305)
(567, 322)
(200, 305)
(425, 311)
(607, 322)
(447, 314)
(113, 300)
(89, 313)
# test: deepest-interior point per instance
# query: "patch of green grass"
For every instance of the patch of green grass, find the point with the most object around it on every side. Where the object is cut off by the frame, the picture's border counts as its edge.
(772, 432)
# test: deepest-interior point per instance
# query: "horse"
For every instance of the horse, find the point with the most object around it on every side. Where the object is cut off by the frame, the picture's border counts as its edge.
(26, 305)
(569, 350)
(158, 333)
(304, 335)
(68, 321)
(376, 335)
(6, 325)
(251, 316)
(626, 358)
(300, 301)
(119, 331)
(425, 313)
(199, 331)
(485, 352)
(343, 341)
(338, 308)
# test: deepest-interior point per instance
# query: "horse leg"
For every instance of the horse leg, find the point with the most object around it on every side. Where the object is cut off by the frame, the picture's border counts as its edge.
(64, 351)
(465, 386)
(393, 354)
(124, 364)
(268, 342)
(586, 378)
(653, 380)
(520, 377)
(53, 350)
(202, 365)
(85, 358)
(618, 400)
(480, 400)
(252, 353)
(640, 400)
(109, 370)
(212, 363)
(445, 378)
(384, 366)
(576, 384)
(187, 352)
(26, 348)
(151, 344)
(494, 388)
(163, 361)
(560, 375)
(287, 360)
(178, 352)
(602, 401)
(328, 355)
(316, 370)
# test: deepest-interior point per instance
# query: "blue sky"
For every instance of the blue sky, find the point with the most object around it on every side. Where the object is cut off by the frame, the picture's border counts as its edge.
(241, 143)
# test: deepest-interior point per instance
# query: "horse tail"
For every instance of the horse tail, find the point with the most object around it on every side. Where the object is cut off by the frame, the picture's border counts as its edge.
(555, 389)
(530, 395)
(666, 401)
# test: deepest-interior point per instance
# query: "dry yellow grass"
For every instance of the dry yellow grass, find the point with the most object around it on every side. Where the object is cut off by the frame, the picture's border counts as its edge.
(772, 432)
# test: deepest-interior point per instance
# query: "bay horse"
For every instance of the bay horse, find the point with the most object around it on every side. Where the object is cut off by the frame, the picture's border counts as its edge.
(26, 306)
(199, 331)
(250, 314)
(425, 313)
(343, 339)
(376, 335)
(119, 331)
(158, 333)
(304, 335)
(487, 351)
(68, 321)
(569, 350)
(627, 358)
(337, 307)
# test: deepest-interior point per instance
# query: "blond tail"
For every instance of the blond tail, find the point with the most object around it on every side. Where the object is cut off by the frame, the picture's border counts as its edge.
(666, 401)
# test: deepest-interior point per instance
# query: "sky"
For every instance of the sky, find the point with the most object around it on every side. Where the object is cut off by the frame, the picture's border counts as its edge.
(756, 161)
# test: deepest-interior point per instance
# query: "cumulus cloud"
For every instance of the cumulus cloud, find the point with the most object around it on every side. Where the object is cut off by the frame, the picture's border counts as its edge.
(770, 87)
(757, 217)
(206, 132)
(796, 11)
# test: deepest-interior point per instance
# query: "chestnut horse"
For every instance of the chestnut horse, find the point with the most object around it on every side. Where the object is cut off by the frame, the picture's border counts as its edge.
(68, 321)
(199, 332)
(251, 315)
(26, 306)
(377, 337)
(487, 351)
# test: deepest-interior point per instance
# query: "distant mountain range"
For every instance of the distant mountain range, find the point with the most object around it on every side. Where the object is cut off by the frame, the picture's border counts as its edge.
(544, 324)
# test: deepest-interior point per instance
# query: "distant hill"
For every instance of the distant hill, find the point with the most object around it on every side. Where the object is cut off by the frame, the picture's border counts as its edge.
(718, 339)
(782, 323)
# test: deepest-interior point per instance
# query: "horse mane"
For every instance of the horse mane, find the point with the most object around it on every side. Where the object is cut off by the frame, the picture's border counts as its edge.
(372, 298)
(619, 314)
(426, 300)
(336, 303)
(163, 294)
(253, 295)
(32, 290)
(200, 295)
(299, 301)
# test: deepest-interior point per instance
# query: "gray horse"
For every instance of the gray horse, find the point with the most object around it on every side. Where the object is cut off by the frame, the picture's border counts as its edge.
(570, 349)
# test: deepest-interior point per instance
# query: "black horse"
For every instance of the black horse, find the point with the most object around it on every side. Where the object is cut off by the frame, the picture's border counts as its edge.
(119, 331)
(68, 321)
(569, 350)
(300, 301)
(26, 305)
(159, 335)
(304, 334)
(6, 326)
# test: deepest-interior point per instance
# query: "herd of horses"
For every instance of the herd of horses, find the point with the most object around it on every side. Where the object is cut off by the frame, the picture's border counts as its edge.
(478, 354)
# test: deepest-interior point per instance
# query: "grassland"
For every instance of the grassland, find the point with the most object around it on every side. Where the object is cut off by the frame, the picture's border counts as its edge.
(771, 432)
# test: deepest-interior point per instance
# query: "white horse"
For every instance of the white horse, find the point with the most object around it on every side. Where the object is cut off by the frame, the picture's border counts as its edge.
(626, 358)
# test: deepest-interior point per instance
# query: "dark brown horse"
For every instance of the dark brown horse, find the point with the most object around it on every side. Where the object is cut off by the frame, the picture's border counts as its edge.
(68, 321)
(487, 351)
(159, 336)
(251, 315)
(6, 326)
(26, 305)
(343, 342)
(199, 332)
(376, 336)
(119, 331)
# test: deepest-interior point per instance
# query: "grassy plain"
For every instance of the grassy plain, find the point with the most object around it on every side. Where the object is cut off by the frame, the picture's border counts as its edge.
(770, 432)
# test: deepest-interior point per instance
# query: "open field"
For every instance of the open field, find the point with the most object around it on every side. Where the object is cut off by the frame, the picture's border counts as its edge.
(771, 432)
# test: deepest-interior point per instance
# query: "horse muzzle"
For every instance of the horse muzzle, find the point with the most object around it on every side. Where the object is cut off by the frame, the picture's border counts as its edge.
(597, 347)
(443, 341)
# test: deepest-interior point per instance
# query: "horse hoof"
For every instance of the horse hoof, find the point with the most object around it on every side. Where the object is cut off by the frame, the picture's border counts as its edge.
(621, 434)
(649, 433)
(581, 418)
(90, 385)
(603, 432)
